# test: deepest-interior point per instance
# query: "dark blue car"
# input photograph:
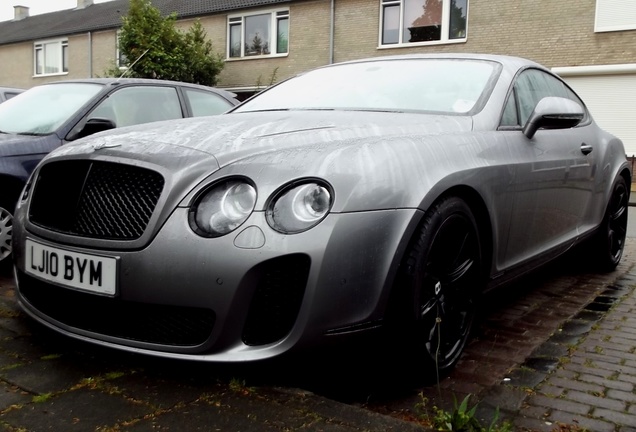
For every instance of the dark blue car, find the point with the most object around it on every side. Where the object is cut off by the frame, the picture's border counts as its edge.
(45, 117)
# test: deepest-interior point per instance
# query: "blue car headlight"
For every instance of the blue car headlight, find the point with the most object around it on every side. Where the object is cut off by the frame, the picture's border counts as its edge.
(299, 206)
(223, 208)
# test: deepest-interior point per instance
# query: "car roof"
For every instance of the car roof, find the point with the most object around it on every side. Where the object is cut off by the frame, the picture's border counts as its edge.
(145, 81)
(507, 60)
(11, 89)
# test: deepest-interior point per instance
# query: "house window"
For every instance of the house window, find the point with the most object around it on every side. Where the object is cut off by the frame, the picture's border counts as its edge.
(51, 57)
(262, 34)
(615, 15)
(122, 60)
(421, 21)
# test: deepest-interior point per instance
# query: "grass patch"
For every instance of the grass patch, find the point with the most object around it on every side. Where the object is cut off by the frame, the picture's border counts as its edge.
(42, 397)
(460, 418)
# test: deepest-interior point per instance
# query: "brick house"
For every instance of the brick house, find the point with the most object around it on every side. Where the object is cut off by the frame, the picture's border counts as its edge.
(591, 43)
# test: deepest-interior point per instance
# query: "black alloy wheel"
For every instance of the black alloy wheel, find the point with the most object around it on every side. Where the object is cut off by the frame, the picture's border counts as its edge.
(611, 236)
(443, 271)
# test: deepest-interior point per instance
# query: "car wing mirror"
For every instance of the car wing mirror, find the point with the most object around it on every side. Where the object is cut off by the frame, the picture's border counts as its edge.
(553, 113)
(94, 125)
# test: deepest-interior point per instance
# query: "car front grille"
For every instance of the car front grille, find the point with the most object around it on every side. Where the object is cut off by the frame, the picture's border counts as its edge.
(276, 301)
(159, 324)
(95, 199)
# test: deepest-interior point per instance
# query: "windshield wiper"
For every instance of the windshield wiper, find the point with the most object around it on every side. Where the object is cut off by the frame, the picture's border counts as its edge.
(30, 133)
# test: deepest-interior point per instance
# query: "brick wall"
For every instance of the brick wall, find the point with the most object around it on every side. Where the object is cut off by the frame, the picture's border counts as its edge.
(309, 28)
(554, 33)
(16, 65)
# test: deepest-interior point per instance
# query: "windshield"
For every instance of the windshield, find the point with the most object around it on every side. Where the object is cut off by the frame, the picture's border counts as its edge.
(43, 109)
(434, 85)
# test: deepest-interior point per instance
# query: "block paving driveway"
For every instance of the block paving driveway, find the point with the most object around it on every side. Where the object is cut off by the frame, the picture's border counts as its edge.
(554, 351)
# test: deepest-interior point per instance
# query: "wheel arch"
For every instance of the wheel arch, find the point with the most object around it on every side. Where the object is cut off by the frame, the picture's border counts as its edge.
(482, 216)
(480, 212)
(627, 175)
(11, 188)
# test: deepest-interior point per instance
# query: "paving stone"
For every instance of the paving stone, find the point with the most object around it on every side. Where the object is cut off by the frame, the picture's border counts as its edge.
(75, 411)
(525, 377)
(577, 327)
(505, 397)
(12, 395)
(528, 424)
(549, 390)
(591, 424)
(609, 383)
(621, 395)
(541, 364)
(559, 404)
(597, 401)
(550, 350)
(626, 378)
(618, 418)
(159, 393)
(46, 375)
(569, 384)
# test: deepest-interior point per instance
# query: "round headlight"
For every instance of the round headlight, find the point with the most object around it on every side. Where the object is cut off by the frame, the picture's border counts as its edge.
(223, 208)
(299, 208)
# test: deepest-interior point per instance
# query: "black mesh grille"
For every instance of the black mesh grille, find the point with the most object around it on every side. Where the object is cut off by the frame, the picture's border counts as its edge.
(159, 324)
(95, 199)
(276, 302)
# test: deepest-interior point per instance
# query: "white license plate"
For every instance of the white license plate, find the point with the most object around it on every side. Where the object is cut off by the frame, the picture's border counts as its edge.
(78, 270)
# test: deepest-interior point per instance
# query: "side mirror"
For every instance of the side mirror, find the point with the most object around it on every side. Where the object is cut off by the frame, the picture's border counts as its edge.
(553, 113)
(94, 125)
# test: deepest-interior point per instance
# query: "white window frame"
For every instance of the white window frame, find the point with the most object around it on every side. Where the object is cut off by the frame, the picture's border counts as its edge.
(60, 54)
(122, 66)
(239, 19)
(444, 37)
(614, 15)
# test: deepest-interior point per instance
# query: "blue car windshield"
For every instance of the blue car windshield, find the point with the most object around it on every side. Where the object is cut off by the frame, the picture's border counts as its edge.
(454, 86)
(43, 109)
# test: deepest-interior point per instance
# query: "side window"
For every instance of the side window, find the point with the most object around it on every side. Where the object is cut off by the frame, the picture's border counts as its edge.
(510, 117)
(533, 85)
(205, 104)
(142, 104)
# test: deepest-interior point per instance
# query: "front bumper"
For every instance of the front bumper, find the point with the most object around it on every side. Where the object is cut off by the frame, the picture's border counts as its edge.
(249, 295)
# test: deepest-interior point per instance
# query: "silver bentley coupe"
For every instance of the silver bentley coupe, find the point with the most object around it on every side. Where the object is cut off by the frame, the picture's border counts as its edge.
(383, 194)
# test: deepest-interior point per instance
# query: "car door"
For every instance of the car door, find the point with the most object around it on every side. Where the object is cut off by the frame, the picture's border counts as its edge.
(554, 173)
(135, 104)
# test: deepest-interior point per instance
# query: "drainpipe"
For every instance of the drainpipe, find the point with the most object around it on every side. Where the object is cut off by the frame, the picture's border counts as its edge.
(332, 30)
(90, 55)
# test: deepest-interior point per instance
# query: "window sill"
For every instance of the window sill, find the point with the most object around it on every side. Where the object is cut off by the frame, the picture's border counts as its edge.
(420, 44)
(260, 57)
(50, 75)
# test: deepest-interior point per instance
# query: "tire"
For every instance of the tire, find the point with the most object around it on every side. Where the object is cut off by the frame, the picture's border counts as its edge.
(442, 276)
(609, 240)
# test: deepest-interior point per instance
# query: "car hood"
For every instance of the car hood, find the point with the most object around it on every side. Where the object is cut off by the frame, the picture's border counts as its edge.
(19, 145)
(272, 148)
(232, 137)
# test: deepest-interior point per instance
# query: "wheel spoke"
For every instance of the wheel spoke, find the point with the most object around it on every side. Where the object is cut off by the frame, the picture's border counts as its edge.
(6, 229)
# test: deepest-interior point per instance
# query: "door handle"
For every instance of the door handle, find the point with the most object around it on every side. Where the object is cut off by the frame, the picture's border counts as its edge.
(586, 149)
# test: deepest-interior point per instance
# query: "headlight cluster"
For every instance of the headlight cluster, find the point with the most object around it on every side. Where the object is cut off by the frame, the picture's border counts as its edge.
(299, 208)
(223, 208)
(294, 208)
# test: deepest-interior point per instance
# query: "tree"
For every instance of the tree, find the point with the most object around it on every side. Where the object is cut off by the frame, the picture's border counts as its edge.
(155, 48)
